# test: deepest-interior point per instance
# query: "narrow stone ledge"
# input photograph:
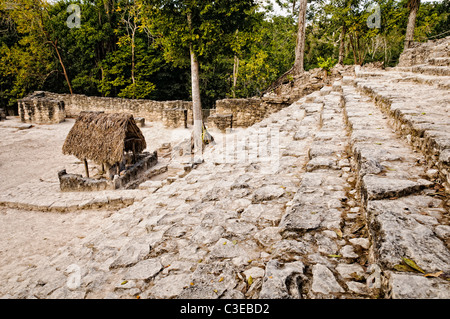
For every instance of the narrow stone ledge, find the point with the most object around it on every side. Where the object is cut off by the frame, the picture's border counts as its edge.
(396, 234)
(376, 187)
(408, 286)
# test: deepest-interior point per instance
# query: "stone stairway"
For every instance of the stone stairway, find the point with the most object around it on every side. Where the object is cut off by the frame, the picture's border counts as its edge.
(405, 217)
(327, 198)
(421, 113)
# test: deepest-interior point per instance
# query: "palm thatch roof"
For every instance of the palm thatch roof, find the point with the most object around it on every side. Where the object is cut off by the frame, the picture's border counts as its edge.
(103, 138)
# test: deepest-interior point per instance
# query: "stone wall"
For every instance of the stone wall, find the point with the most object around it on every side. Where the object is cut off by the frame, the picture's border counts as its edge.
(246, 112)
(41, 109)
(173, 113)
(129, 178)
(430, 52)
(220, 121)
(174, 118)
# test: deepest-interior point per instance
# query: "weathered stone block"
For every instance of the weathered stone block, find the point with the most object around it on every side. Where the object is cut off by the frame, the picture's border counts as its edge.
(131, 177)
(375, 187)
(398, 235)
(282, 281)
(40, 109)
(221, 121)
(175, 118)
(408, 286)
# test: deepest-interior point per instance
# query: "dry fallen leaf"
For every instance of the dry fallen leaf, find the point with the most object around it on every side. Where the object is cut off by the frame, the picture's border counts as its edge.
(403, 268)
(412, 264)
(357, 277)
(435, 275)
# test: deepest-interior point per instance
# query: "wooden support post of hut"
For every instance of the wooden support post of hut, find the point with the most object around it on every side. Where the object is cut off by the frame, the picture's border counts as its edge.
(86, 168)
(104, 139)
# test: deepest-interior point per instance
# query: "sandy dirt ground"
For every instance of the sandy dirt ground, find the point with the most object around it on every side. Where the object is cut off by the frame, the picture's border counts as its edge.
(30, 158)
(35, 155)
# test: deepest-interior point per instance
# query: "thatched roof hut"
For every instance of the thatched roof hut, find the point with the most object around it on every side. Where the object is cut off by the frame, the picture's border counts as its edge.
(104, 138)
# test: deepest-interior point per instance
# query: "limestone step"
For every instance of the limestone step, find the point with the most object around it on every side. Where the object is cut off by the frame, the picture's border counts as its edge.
(404, 217)
(323, 216)
(420, 114)
(404, 74)
(427, 69)
(441, 61)
(158, 169)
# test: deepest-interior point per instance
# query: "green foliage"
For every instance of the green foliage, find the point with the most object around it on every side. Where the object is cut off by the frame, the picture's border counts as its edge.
(226, 35)
(327, 64)
(267, 53)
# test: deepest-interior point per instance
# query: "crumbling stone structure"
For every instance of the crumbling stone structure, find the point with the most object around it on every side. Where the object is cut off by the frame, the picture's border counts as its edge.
(41, 109)
(174, 118)
(130, 178)
(249, 111)
(432, 53)
(220, 121)
(171, 113)
(2, 115)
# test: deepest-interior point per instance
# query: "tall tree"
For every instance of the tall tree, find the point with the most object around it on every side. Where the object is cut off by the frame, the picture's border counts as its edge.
(195, 29)
(32, 16)
(413, 6)
(300, 46)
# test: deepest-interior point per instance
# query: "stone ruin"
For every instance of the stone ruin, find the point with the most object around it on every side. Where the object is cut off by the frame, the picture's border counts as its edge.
(357, 207)
(41, 109)
(128, 178)
(245, 112)
(2, 114)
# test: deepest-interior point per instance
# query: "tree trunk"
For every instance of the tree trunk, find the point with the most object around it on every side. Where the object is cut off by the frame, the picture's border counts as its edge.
(55, 46)
(300, 46)
(132, 55)
(196, 102)
(235, 74)
(62, 65)
(196, 108)
(361, 52)
(413, 7)
(342, 45)
(355, 59)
